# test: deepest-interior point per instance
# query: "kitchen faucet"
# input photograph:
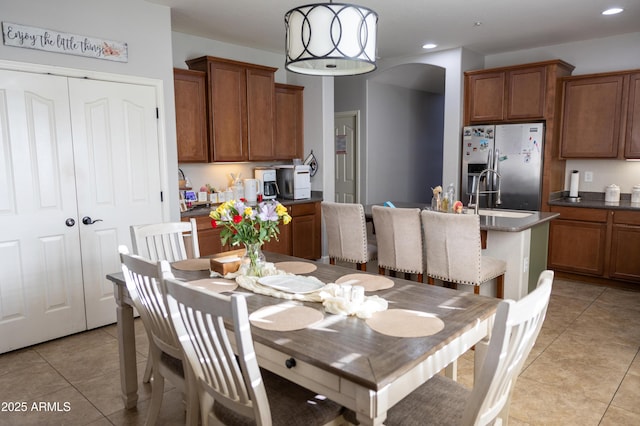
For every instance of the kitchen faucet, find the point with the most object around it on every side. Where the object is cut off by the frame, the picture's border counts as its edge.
(485, 173)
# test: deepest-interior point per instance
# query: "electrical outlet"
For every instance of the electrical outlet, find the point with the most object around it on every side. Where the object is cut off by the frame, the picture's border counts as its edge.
(525, 264)
(588, 176)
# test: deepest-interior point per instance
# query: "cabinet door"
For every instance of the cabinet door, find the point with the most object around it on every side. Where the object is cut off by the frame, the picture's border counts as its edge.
(289, 139)
(261, 108)
(591, 117)
(283, 245)
(526, 93)
(227, 111)
(305, 228)
(625, 246)
(632, 137)
(208, 237)
(576, 246)
(486, 95)
(191, 116)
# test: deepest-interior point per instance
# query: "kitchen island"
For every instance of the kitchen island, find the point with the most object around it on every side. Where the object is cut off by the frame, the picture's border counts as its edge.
(518, 237)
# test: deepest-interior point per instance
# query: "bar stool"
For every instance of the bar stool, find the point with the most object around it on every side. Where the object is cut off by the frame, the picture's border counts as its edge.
(347, 234)
(454, 253)
(399, 238)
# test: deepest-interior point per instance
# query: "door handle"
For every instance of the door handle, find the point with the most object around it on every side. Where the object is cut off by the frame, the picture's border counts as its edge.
(70, 222)
(88, 221)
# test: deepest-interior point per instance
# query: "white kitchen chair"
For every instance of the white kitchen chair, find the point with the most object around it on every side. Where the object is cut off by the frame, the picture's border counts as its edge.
(143, 280)
(454, 252)
(442, 401)
(399, 238)
(347, 234)
(170, 241)
(233, 390)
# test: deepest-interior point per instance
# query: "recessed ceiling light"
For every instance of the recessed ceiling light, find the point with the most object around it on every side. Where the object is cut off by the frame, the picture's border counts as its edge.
(477, 24)
(612, 11)
(429, 46)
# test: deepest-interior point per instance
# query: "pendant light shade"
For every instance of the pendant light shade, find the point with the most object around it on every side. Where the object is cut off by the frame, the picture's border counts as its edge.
(331, 39)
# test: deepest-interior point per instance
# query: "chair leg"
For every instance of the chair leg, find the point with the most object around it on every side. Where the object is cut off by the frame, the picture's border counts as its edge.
(431, 281)
(420, 278)
(332, 261)
(500, 287)
(380, 270)
(476, 289)
(362, 266)
(148, 369)
(157, 391)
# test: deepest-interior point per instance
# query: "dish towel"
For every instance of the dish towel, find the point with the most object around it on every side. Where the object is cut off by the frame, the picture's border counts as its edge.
(329, 295)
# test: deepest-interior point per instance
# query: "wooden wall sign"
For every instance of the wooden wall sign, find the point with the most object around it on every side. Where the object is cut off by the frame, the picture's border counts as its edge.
(58, 42)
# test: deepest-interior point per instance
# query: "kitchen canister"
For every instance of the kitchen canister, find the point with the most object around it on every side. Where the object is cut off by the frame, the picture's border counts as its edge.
(612, 194)
(635, 194)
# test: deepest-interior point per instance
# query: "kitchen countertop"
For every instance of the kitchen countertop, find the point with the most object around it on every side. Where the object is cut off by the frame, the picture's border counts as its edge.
(592, 200)
(493, 222)
(316, 196)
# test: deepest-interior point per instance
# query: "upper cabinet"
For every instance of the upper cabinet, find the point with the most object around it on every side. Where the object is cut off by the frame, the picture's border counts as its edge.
(241, 109)
(289, 124)
(191, 113)
(511, 94)
(601, 116)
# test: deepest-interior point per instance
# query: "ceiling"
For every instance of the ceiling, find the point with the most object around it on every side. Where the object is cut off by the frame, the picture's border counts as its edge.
(405, 25)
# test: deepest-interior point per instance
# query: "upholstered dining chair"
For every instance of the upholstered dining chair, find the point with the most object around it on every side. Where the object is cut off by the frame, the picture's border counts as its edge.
(399, 237)
(171, 241)
(454, 252)
(443, 401)
(233, 390)
(347, 234)
(143, 281)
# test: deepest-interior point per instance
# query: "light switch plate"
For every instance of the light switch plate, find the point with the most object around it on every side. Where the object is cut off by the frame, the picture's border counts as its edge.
(588, 176)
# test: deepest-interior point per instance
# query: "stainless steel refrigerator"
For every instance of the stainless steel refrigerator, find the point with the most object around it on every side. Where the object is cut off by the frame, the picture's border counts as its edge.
(515, 152)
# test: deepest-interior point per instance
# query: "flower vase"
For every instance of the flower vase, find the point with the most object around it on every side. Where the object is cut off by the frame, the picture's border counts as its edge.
(253, 261)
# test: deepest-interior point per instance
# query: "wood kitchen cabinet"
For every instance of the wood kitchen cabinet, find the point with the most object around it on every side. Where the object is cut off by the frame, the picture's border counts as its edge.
(511, 94)
(208, 237)
(241, 109)
(191, 113)
(596, 242)
(289, 123)
(601, 116)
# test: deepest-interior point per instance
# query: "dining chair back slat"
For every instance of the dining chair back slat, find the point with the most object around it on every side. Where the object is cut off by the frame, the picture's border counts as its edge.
(171, 241)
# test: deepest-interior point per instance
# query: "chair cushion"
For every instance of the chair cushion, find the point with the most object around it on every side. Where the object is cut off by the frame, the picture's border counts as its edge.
(291, 405)
(439, 402)
(491, 267)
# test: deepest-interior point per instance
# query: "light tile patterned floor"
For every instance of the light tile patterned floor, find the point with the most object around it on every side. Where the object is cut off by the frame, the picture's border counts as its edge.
(584, 370)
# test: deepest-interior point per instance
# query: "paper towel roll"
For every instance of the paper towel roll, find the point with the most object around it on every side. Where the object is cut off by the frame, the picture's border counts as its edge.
(575, 181)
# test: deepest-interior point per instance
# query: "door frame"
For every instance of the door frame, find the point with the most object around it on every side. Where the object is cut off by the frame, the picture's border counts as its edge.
(117, 78)
(356, 115)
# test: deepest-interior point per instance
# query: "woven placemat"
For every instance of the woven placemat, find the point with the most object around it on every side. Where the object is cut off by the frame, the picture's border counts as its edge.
(192, 265)
(287, 316)
(218, 285)
(368, 281)
(295, 267)
(405, 323)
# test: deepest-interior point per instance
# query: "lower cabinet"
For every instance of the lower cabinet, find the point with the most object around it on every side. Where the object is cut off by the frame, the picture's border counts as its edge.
(597, 242)
(300, 238)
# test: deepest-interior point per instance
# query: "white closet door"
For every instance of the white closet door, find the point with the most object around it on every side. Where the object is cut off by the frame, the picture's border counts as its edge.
(41, 293)
(117, 169)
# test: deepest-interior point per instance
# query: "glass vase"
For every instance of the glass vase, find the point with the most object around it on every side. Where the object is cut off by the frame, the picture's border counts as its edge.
(253, 260)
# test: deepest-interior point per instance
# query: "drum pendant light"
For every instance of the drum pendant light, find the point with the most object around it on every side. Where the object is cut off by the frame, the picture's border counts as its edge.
(331, 39)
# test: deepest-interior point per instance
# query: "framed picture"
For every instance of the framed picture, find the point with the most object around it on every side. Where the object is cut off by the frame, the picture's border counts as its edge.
(190, 196)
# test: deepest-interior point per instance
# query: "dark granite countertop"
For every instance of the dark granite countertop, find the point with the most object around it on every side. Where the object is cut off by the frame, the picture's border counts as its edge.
(205, 209)
(592, 200)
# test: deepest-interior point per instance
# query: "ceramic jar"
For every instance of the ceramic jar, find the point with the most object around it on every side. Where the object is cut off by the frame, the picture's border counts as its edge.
(635, 194)
(612, 194)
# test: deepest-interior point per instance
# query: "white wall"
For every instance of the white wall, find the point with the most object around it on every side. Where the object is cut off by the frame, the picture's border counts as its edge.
(590, 56)
(145, 27)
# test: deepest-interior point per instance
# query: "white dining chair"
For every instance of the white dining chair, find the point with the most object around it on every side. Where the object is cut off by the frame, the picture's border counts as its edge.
(442, 401)
(233, 390)
(399, 238)
(347, 238)
(171, 241)
(454, 251)
(143, 281)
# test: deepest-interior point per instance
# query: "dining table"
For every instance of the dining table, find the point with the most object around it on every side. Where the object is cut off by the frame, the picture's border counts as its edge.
(345, 357)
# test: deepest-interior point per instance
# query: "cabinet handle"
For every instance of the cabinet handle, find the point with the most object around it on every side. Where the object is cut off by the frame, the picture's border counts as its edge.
(290, 363)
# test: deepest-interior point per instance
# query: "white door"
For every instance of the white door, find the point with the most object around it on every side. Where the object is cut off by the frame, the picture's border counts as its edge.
(41, 293)
(117, 167)
(345, 140)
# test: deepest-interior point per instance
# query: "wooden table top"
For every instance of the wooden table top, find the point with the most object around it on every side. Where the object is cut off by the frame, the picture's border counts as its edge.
(347, 346)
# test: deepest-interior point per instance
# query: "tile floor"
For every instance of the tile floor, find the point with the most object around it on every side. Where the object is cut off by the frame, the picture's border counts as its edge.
(583, 370)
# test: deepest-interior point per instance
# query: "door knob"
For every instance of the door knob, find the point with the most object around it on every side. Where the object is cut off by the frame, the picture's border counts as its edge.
(70, 222)
(88, 221)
